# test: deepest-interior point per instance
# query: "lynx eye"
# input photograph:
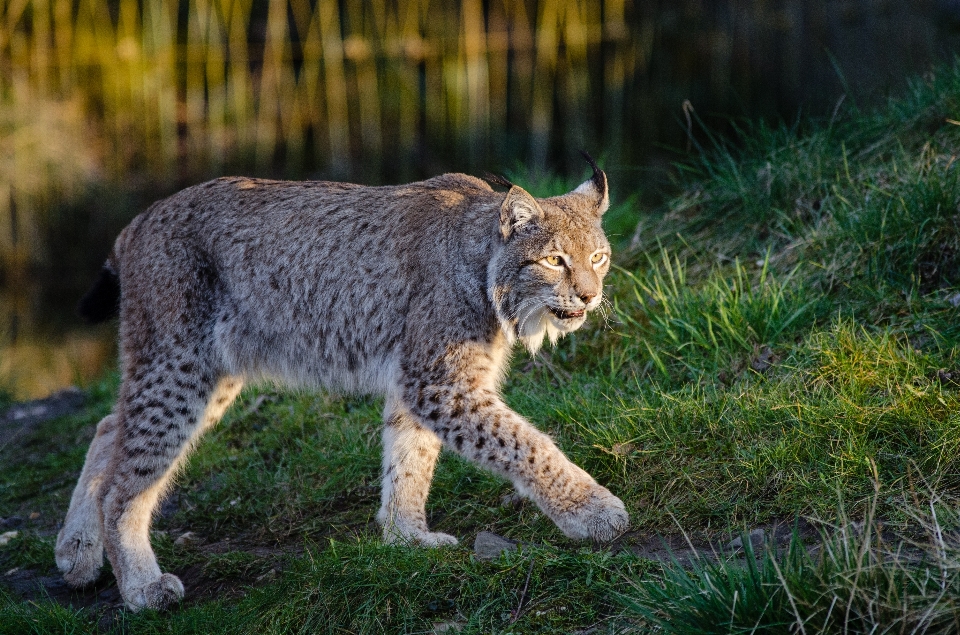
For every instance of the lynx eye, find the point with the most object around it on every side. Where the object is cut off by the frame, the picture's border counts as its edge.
(598, 258)
(553, 261)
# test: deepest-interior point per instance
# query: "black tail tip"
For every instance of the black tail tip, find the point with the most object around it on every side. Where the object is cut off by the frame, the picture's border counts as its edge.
(102, 301)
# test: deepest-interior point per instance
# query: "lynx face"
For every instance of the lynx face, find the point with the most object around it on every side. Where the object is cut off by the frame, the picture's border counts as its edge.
(549, 273)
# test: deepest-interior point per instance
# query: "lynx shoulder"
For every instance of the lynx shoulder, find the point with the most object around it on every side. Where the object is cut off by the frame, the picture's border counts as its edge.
(415, 292)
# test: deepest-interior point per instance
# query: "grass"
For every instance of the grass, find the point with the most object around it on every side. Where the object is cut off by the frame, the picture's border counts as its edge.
(708, 326)
(860, 578)
(781, 341)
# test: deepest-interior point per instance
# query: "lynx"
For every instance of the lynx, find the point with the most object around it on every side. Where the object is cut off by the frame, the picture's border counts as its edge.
(415, 292)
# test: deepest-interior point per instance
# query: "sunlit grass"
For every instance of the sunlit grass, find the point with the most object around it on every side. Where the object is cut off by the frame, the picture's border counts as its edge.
(732, 313)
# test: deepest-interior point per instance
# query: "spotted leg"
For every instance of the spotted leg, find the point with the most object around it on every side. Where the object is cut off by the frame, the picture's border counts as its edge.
(457, 401)
(161, 414)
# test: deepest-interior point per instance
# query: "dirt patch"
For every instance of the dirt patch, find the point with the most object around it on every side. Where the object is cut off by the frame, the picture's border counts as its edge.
(102, 598)
(681, 548)
(687, 549)
(30, 584)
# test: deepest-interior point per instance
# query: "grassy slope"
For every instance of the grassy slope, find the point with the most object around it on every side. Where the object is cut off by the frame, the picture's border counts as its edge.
(781, 336)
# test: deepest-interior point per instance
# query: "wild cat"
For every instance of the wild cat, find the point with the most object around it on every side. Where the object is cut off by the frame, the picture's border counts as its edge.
(416, 292)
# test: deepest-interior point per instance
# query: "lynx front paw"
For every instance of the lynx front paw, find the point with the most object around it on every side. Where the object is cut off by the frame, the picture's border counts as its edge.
(79, 558)
(600, 517)
(159, 594)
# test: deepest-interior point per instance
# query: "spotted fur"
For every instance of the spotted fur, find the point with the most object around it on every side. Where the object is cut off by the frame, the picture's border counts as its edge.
(416, 292)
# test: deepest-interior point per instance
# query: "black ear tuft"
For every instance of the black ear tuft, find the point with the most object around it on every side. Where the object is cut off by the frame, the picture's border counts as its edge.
(599, 178)
(496, 179)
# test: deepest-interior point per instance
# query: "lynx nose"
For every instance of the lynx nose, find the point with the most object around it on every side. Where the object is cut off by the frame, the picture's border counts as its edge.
(586, 297)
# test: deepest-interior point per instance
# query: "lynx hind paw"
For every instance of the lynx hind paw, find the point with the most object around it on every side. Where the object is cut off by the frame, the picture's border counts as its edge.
(158, 595)
(79, 558)
(601, 518)
(419, 538)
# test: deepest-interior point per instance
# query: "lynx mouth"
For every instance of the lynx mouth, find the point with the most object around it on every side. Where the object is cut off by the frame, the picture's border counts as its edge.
(567, 315)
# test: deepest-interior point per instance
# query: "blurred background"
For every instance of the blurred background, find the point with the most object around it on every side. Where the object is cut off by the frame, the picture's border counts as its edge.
(107, 105)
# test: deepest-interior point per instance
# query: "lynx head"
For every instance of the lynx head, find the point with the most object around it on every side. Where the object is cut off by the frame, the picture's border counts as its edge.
(548, 270)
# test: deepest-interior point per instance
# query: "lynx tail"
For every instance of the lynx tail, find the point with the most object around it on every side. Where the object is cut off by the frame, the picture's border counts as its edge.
(102, 301)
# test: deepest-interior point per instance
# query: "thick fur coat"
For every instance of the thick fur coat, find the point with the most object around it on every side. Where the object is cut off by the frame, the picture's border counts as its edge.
(415, 292)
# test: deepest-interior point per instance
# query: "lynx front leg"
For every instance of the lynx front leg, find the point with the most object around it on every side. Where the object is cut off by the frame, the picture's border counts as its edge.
(409, 456)
(79, 551)
(490, 434)
(468, 415)
(161, 416)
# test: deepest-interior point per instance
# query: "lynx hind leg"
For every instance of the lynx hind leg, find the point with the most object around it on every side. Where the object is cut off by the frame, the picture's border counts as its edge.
(79, 550)
(162, 416)
(409, 457)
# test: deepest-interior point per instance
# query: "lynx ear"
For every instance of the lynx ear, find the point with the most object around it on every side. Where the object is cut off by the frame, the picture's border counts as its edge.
(518, 209)
(596, 187)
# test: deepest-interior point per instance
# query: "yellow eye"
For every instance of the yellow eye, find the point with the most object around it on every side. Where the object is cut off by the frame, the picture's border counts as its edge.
(554, 261)
(597, 258)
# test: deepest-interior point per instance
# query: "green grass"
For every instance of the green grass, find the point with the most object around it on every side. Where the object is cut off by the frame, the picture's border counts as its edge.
(37, 618)
(708, 327)
(366, 587)
(781, 340)
(855, 580)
